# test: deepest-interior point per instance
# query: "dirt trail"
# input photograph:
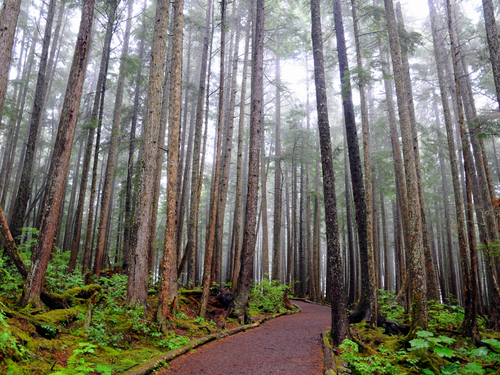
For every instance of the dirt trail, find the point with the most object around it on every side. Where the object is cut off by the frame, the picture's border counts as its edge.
(287, 345)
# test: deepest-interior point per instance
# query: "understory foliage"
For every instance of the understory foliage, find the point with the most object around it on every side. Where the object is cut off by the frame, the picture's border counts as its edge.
(267, 296)
(439, 350)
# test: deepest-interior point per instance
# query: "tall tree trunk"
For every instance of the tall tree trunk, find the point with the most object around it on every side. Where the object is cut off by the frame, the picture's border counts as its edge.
(249, 236)
(263, 207)
(469, 324)
(25, 185)
(239, 167)
(493, 42)
(210, 237)
(227, 147)
(416, 262)
(95, 123)
(59, 165)
(340, 326)
(8, 22)
(432, 287)
(368, 298)
(138, 274)
(168, 290)
(127, 225)
(276, 267)
(194, 203)
(110, 166)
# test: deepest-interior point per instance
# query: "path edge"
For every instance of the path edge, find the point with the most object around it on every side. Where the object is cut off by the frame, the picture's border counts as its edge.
(328, 362)
(161, 360)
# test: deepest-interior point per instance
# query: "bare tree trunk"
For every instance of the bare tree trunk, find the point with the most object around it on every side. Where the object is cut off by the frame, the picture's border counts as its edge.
(138, 274)
(239, 168)
(416, 262)
(8, 22)
(95, 123)
(130, 164)
(168, 290)
(493, 42)
(110, 167)
(432, 287)
(249, 236)
(469, 324)
(340, 326)
(25, 185)
(210, 237)
(276, 267)
(368, 298)
(60, 161)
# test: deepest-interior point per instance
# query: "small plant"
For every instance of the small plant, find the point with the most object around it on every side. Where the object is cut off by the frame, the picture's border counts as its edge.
(77, 364)
(8, 344)
(268, 296)
(174, 343)
(373, 364)
(427, 340)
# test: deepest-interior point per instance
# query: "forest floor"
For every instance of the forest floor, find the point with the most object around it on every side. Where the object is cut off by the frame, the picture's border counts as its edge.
(96, 333)
(286, 345)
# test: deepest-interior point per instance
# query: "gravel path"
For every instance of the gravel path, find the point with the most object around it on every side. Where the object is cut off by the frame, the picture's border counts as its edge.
(287, 345)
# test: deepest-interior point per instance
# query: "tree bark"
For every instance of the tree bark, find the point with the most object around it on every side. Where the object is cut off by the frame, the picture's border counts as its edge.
(340, 326)
(249, 236)
(138, 274)
(59, 165)
(416, 262)
(25, 185)
(168, 290)
(8, 22)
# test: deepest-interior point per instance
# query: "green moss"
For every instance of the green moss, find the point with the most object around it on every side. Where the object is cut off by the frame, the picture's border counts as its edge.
(84, 292)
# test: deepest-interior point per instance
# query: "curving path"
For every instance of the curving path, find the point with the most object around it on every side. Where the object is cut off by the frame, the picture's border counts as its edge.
(287, 345)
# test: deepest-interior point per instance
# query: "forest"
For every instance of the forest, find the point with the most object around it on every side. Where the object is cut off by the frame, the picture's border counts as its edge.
(172, 168)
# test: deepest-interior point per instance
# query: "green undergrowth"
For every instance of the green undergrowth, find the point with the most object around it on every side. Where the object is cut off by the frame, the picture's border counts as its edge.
(439, 350)
(267, 296)
(97, 333)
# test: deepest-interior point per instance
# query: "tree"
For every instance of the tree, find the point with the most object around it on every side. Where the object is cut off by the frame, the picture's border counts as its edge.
(8, 22)
(417, 274)
(138, 275)
(493, 42)
(25, 184)
(340, 326)
(249, 236)
(51, 204)
(368, 298)
(210, 236)
(168, 289)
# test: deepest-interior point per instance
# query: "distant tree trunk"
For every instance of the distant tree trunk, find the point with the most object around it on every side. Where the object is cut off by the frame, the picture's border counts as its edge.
(210, 237)
(95, 123)
(432, 287)
(263, 207)
(168, 289)
(138, 272)
(25, 185)
(493, 43)
(416, 260)
(340, 326)
(110, 167)
(249, 236)
(239, 168)
(276, 267)
(59, 164)
(8, 22)
(227, 147)
(469, 324)
(127, 225)
(368, 284)
(194, 203)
